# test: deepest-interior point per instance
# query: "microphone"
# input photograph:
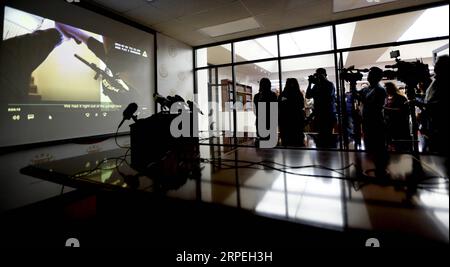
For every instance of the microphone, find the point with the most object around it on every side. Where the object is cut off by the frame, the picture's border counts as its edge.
(164, 102)
(172, 100)
(178, 98)
(129, 112)
(181, 103)
(193, 106)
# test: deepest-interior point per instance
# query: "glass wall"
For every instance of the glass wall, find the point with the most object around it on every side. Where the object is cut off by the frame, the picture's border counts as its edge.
(300, 69)
(233, 80)
(260, 48)
(307, 41)
(248, 77)
(428, 23)
(215, 98)
(380, 57)
(215, 55)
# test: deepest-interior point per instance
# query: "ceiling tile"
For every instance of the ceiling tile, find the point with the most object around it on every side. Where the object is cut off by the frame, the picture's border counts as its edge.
(311, 13)
(182, 32)
(173, 26)
(238, 35)
(181, 19)
(258, 7)
(121, 5)
(148, 15)
(195, 39)
(216, 16)
(180, 8)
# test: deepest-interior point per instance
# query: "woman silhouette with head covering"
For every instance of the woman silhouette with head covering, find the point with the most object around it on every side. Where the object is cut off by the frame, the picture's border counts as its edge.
(291, 114)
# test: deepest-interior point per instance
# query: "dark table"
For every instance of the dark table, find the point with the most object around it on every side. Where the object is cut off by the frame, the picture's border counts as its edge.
(327, 190)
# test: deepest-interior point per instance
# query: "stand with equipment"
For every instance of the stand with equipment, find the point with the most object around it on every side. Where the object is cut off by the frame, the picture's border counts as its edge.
(352, 76)
(410, 73)
(154, 150)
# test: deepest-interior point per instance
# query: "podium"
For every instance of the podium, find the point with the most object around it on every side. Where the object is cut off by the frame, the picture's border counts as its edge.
(155, 152)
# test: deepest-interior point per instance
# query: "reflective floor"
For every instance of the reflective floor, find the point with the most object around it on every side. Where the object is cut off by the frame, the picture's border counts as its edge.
(311, 141)
(414, 200)
(328, 189)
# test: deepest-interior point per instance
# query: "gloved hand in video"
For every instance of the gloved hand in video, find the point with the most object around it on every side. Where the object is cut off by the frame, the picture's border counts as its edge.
(72, 33)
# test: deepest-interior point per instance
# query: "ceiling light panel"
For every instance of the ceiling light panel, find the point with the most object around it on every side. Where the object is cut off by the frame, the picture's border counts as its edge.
(231, 27)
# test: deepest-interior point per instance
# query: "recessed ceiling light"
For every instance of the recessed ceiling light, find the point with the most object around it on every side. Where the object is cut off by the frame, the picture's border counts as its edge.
(241, 25)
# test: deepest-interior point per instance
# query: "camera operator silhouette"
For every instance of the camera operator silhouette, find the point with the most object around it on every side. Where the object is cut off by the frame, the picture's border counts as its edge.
(324, 94)
(264, 97)
(437, 108)
(374, 129)
(291, 114)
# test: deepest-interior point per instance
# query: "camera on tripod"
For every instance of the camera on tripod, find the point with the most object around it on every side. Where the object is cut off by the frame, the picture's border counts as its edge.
(352, 75)
(410, 73)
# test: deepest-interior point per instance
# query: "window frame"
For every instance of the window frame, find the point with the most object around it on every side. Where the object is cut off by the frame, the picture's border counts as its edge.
(337, 52)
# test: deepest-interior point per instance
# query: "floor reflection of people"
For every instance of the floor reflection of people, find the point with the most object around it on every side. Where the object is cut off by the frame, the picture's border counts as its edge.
(291, 114)
(396, 113)
(324, 94)
(374, 129)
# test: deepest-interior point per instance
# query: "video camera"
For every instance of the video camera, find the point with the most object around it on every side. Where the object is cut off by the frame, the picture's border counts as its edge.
(352, 75)
(410, 73)
(314, 79)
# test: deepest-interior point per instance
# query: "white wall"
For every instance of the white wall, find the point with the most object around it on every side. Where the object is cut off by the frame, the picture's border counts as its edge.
(175, 68)
(176, 74)
(202, 87)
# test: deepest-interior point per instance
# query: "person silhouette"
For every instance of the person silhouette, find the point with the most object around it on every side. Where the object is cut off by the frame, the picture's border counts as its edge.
(324, 95)
(396, 113)
(291, 114)
(373, 124)
(437, 107)
(264, 97)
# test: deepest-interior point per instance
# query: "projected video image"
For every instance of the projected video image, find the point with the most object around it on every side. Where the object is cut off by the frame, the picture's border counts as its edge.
(45, 61)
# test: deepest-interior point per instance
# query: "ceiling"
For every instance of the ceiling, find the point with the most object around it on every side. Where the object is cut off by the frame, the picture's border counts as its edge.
(401, 27)
(183, 19)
